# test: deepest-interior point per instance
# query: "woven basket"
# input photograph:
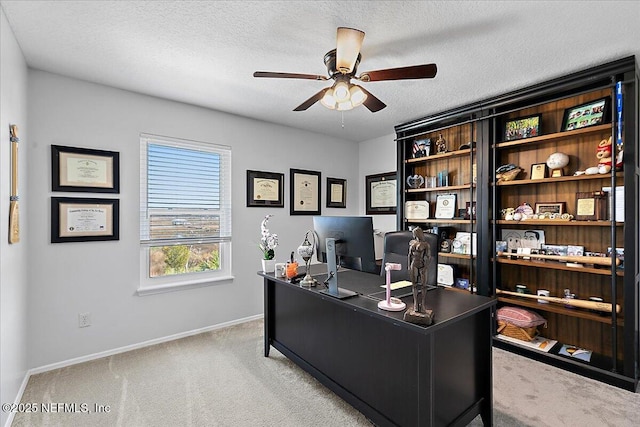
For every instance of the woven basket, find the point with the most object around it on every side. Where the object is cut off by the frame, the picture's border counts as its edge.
(524, 334)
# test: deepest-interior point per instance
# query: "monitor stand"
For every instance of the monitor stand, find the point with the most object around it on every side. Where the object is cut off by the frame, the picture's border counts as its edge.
(332, 269)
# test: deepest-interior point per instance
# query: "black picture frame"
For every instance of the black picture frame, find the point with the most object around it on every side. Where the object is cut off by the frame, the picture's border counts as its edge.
(265, 189)
(591, 113)
(381, 193)
(523, 127)
(99, 217)
(336, 194)
(77, 169)
(305, 192)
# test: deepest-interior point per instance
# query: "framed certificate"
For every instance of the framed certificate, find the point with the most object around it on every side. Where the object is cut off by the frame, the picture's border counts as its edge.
(85, 170)
(84, 220)
(445, 206)
(381, 194)
(265, 189)
(336, 193)
(305, 192)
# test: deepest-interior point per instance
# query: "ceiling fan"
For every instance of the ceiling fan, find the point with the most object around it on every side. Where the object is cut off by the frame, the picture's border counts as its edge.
(342, 64)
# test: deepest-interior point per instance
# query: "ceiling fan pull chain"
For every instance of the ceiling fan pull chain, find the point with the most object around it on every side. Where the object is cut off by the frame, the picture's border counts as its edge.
(342, 114)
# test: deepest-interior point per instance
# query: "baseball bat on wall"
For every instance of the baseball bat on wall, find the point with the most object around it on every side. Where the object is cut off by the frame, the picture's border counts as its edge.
(580, 303)
(566, 258)
(14, 219)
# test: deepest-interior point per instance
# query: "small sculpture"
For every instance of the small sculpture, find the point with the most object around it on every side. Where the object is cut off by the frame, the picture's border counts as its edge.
(415, 181)
(419, 257)
(441, 144)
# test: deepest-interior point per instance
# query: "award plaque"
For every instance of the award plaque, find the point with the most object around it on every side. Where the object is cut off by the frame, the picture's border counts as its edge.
(591, 206)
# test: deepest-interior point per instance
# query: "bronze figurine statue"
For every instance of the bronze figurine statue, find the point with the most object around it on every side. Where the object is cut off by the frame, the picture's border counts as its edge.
(419, 257)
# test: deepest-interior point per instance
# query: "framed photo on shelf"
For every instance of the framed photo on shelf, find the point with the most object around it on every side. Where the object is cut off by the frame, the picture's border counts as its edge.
(336, 193)
(305, 192)
(461, 283)
(584, 115)
(381, 194)
(523, 127)
(551, 207)
(470, 210)
(84, 170)
(539, 171)
(265, 189)
(84, 219)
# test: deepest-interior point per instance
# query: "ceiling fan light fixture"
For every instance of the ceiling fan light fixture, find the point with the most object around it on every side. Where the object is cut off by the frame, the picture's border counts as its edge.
(357, 95)
(328, 100)
(345, 106)
(349, 42)
(341, 91)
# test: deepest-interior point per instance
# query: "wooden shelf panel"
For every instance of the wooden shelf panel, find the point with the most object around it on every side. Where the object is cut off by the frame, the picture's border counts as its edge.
(554, 137)
(557, 179)
(559, 222)
(556, 308)
(553, 265)
(434, 157)
(439, 221)
(447, 188)
(459, 256)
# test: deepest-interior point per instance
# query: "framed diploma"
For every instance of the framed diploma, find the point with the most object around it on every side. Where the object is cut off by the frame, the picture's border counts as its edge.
(265, 189)
(336, 193)
(381, 194)
(84, 220)
(305, 192)
(85, 170)
(445, 206)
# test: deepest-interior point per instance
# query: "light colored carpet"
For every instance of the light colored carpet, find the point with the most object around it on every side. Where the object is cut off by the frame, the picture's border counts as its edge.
(221, 378)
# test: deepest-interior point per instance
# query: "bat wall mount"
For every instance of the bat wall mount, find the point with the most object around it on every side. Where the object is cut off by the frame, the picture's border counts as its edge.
(14, 216)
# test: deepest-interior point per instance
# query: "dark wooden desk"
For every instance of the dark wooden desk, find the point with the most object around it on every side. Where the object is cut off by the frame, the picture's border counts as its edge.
(394, 372)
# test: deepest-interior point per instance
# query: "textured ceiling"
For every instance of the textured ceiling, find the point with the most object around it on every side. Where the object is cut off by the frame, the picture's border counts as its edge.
(205, 52)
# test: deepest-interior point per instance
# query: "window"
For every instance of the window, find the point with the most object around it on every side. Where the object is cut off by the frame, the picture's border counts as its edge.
(185, 213)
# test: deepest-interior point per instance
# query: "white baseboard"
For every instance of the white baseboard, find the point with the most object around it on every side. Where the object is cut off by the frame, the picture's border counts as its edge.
(118, 350)
(21, 390)
(124, 349)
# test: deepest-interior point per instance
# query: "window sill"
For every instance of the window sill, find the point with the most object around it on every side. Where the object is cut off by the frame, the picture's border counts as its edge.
(181, 286)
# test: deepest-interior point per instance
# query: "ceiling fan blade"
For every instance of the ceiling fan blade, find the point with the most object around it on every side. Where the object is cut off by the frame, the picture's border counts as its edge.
(309, 102)
(289, 75)
(372, 103)
(426, 71)
(348, 44)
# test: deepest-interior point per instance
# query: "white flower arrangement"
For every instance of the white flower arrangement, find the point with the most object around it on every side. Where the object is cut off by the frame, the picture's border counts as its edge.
(268, 241)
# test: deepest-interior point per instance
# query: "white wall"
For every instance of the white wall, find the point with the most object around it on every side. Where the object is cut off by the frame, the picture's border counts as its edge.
(377, 156)
(101, 277)
(13, 258)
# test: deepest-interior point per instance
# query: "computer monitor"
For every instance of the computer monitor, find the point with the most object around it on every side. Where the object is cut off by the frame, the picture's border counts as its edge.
(354, 241)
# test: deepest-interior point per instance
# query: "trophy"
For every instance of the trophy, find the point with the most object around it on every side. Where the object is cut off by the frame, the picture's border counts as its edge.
(305, 250)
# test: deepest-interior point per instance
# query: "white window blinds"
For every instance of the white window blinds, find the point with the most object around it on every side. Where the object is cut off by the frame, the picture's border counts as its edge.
(185, 193)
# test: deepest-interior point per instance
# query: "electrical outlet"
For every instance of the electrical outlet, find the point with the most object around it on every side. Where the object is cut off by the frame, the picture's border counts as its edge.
(84, 320)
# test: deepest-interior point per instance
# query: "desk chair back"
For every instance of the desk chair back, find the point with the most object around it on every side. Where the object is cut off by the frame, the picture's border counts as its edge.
(396, 249)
